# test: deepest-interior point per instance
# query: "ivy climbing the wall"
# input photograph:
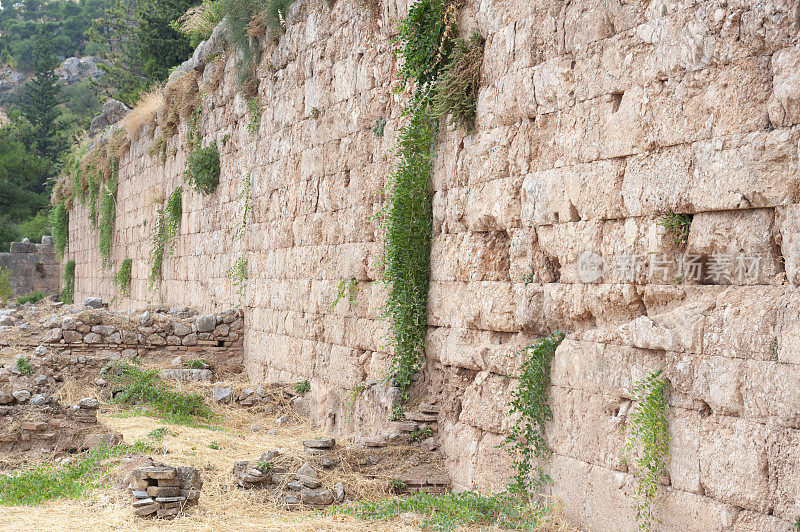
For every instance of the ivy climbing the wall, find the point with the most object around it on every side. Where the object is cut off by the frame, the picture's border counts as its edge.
(59, 218)
(426, 39)
(108, 213)
(237, 273)
(647, 445)
(527, 441)
(165, 231)
(123, 278)
(68, 292)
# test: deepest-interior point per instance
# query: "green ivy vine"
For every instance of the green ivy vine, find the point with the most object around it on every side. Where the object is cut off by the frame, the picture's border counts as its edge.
(68, 292)
(527, 441)
(108, 213)
(237, 273)
(647, 445)
(123, 278)
(59, 218)
(165, 230)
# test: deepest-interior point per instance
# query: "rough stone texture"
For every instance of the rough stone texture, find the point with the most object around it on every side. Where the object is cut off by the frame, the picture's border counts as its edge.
(33, 267)
(594, 120)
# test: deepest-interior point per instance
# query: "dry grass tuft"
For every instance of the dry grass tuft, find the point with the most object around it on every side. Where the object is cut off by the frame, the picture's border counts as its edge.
(180, 99)
(144, 112)
(62, 191)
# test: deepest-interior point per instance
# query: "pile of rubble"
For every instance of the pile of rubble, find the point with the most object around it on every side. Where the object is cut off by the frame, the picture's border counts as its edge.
(301, 488)
(163, 491)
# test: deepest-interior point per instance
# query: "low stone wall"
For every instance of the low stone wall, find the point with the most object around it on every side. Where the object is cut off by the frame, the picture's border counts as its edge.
(33, 267)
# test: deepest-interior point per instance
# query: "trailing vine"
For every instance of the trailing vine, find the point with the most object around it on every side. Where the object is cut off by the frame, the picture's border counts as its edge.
(254, 112)
(348, 286)
(60, 220)
(647, 445)
(165, 229)
(527, 442)
(68, 292)
(123, 277)
(425, 41)
(108, 212)
(237, 273)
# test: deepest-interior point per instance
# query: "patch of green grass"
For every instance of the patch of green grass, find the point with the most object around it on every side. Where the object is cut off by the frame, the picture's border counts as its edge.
(379, 127)
(451, 511)
(198, 363)
(158, 434)
(397, 413)
(59, 218)
(31, 297)
(396, 485)
(677, 227)
(214, 445)
(24, 366)
(146, 389)
(264, 467)
(74, 480)
(6, 292)
(421, 434)
(303, 387)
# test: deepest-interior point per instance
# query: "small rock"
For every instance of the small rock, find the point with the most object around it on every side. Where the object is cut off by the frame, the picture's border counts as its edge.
(375, 442)
(6, 321)
(307, 470)
(93, 302)
(41, 380)
(317, 497)
(147, 510)
(320, 443)
(270, 455)
(338, 492)
(327, 462)
(294, 485)
(272, 432)
(6, 398)
(309, 482)
(256, 427)
(22, 396)
(39, 399)
(146, 319)
(89, 403)
(206, 323)
(40, 351)
(429, 444)
(179, 329)
(222, 394)
(290, 500)
(283, 420)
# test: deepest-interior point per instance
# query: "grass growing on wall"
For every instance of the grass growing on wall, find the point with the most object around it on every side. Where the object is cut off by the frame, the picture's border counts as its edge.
(165, 231)
(6, 292)
(202, 164)
(68, 292)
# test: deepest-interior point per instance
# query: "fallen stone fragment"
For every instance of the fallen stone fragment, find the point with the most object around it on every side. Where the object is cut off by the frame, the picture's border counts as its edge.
(316, 497)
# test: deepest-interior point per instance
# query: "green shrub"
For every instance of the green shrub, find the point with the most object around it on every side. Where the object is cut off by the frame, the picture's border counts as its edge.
(144, 387)
(6, 292)
(123, 278)
(31, 297)
(456, 89)
(214, 445)
(527, 440)
(423, 45)
(647, 445)
(421, 434)
(199, 21)
(303, 387)
(108, 213)
(396, 485)
(59, 218)
(202, 169)
(198, 363)
(165, 230)
(68, 292)
(24, 366)
(452, 511)
(264, 467)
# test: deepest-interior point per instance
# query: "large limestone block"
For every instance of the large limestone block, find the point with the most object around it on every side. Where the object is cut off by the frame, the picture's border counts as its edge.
(586, 426)
(571, 194)
(783, 454)
(785, 64)
(483, 305)
(575, 307)
(788, 238)
(478, 350)
(684, 437)
(744, 323)
(734, 464)
(770, 392)
(740, 243)
(567, 241)
(493, 464)
(460, 447)
(485, 403)
(716, 381)
(470, 257)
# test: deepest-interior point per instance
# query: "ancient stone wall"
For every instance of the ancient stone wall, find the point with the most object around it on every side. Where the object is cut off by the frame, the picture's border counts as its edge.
(595, 120)
(33, 266)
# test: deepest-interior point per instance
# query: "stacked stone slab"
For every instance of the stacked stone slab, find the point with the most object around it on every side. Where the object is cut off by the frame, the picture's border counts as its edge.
(163, 491)
(41, 424)
(32, 266)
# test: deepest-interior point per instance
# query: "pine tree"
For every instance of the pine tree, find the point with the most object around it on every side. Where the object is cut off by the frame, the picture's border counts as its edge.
(41, 98)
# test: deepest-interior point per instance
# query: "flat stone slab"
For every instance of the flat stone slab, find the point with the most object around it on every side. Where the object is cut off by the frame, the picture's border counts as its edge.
(170, 499)
(142, 502)
(187, 375)
(320, 443)
(140, 494)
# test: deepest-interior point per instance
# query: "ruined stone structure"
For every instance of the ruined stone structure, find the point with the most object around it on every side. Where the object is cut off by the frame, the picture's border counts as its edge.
(32, 266)
(595, 120)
